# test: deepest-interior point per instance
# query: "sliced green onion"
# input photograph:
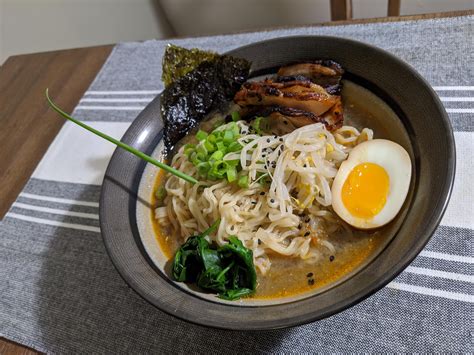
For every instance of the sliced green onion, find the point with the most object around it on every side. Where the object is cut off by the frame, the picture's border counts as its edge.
(201, 135)
(221, 146)
(160, 193)
(235, 130)
(201, 149)
(212, 138)
(228, 137)
(201, 156)
(122, 145)
(203, 168)
(208, 155)
(234, 147)
(233, 162)
(243, 181)
(256, 125)
(235, 116)
(209, 146)
(217, 155)
(231, 173)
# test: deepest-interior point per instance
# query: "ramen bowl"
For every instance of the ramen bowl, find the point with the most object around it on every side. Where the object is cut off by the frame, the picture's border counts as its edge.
(400, 106)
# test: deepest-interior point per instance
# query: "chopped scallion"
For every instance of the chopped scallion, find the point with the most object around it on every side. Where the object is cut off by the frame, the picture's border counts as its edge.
(201, 135)
(243, 181)
(235, 116)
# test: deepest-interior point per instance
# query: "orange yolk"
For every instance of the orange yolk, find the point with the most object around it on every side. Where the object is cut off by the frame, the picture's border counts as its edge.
(365, 190)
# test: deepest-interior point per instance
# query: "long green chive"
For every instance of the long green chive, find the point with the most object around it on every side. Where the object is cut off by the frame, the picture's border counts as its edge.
(121, 144)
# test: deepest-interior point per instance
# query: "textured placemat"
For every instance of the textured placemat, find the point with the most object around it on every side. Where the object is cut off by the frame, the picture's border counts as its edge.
(60, 293)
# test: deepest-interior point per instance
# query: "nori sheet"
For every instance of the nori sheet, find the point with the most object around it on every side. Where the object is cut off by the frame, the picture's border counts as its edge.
(178, 61)
(210, 86)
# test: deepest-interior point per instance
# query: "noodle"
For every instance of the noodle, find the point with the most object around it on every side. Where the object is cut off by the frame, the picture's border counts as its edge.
(291, 216)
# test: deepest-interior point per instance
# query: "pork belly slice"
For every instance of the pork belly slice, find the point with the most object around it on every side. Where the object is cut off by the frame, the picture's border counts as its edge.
(282, 120)
(325, 73)
(302, 95)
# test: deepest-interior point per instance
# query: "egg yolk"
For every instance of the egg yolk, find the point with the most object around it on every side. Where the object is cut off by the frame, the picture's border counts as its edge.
(365, 190)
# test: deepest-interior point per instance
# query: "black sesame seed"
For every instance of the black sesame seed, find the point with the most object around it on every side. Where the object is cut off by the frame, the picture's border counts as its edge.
(254, 202)
(304, 165)
(300, 226)
(309, 274)
(331, 258)
(307, 220)
(268, 140)
(262, 193)
(272, 200)
(311, 282)
(259, 241)
(285, 122)
(281, 139)
(307, 234)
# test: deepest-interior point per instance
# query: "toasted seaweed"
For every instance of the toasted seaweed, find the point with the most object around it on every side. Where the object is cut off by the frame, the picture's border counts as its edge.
(178, 61)
(208, 87)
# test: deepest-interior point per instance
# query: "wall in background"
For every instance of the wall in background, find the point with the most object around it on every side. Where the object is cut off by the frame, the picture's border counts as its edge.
(194, 17)
(39, 25)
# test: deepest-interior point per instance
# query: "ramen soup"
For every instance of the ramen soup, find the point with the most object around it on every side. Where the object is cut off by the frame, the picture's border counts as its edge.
(312, 202)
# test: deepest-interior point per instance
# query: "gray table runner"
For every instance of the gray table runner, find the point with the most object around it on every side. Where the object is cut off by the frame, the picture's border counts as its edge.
(59, 292)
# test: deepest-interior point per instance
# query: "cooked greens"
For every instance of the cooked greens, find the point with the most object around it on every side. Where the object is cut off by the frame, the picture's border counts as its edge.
(227, 270)
(207, 87)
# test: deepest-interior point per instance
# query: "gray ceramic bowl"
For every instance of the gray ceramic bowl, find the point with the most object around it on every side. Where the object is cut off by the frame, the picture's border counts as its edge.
(412, 115)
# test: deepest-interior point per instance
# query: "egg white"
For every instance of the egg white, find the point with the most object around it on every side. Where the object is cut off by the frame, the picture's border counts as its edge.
(396, 162)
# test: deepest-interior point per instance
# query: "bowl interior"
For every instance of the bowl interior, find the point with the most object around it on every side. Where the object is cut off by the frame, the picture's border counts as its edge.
(418, 122)
(362, 108)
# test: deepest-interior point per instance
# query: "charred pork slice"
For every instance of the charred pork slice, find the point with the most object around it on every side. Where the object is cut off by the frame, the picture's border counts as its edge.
(304, 96)
(283, 120)
(325, 73)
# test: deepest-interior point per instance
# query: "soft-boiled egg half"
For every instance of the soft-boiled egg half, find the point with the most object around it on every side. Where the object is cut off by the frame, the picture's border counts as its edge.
(371, 185)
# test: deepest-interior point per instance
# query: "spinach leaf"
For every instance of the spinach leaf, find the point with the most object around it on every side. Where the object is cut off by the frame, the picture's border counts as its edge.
(228, 270)
(186, 265)
(188, 261)
(232, 295)
(244, 273)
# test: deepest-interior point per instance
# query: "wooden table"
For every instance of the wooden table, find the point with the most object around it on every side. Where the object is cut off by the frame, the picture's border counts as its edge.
(28, 126)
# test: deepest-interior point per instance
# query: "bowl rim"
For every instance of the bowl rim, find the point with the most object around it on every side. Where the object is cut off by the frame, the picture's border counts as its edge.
(438, 211)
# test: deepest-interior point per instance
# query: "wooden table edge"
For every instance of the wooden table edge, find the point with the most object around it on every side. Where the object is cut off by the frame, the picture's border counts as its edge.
(28, 126)
(76, 94)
